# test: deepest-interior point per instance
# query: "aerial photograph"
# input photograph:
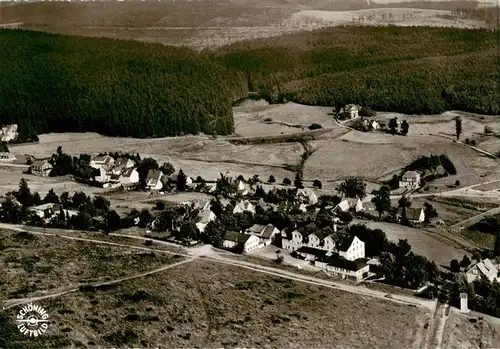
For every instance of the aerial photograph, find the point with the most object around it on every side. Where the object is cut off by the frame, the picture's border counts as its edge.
(222, 174)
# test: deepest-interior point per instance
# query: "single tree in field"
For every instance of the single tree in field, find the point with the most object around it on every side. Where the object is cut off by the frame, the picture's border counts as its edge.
(458, 127)
(287, 181)
(181, 181)
(465, 262)
(382, 200)
(405, 127)
(352, 187)
(298, 182)
(167, 169)
(317, 184)
(429, 212)
(51, 197)
(454, 266)
(271, 179)
(393, 125)
(404, 203)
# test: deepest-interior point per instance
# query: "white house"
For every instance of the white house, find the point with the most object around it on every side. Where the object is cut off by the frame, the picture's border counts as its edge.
(243, 206)
(291, 241)
(349, 204)
(307, 194)
(265, 233)
(483, 268)
(351, 110)
(103, 176)
(153, 180)
(410, 180)
(41, 167)
(243, 188)
(106, 162)
(206, 217)
(246, 242)
(173, 178)
(45, 211)
(351, 248)
(8, 133)
(129, 176)
(374, 125)
(413, 214)
(6, 156)
(337, 265)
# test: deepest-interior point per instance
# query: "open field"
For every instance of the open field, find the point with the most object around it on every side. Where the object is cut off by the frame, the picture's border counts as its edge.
(201, 304)
(209, 24)
(380, 155)
(31, 264)
(468, 331)
(449, 214)
(10, 177)
(421, 243)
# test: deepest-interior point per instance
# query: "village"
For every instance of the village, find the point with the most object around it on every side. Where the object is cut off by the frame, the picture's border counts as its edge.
(286, 222)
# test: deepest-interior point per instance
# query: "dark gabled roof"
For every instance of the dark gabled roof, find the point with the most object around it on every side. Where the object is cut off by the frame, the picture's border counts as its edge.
(340, 262)
(320, 254)
(323, 233)
(266, 234)
(343, 241)
(154, 175)
(236, 237)
(128, 171)
(412, 213)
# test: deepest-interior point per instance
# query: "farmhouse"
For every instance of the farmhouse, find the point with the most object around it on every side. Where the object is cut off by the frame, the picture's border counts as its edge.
(244, 206)
(206, 217)
(243, 188)
(122, 164)
(349, 204)
(41, 167)
(291, 239)
(308, 195)
(413, 214)
(265, 233)
(483, 268)
(153, 180)
(103, 176)
(45, 210)
(245, 242)
(351, 110)
(410, 180)
(175, 176)
(129, 176)
(8, 133)
(336, 265)
(350, 247)
(106, 162)
(6, 156)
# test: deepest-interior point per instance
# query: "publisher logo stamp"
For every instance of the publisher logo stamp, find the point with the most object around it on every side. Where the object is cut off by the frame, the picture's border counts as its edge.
(32, 320)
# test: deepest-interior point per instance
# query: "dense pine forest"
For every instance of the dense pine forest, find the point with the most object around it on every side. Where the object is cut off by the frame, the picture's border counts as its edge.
(408, 70)
(61, 83)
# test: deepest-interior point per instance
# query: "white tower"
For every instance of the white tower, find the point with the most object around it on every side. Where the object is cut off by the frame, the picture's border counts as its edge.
(463, 303)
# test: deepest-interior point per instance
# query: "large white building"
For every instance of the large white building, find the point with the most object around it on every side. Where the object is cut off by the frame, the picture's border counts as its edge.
(410, 180)
(246, 242)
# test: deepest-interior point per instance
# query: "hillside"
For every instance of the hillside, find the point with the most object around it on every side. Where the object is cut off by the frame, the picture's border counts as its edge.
(408, 70)
(59, 83)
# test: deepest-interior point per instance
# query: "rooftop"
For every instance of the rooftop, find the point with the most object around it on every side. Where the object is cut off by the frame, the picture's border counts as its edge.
(340, 262)
(236, 237)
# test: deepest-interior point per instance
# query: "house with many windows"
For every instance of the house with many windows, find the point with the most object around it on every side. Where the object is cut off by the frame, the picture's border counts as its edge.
(410, 180)
(41, 167)
(243, 242)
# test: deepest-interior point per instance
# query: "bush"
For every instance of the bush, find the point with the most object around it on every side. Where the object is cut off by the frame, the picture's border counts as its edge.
(160, 205)
(315, 127)
(473, 143)
(457, 183)
(467, 141)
